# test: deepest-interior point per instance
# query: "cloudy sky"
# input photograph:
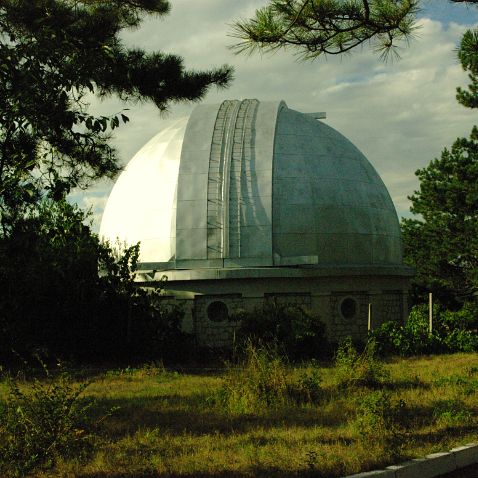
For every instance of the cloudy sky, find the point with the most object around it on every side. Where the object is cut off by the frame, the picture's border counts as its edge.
(400, 114)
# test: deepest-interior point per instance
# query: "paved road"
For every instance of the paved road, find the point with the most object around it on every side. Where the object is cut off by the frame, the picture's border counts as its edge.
(468, 472)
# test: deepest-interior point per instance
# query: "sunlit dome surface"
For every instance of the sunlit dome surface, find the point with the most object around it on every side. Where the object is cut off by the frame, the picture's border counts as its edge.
(141, 205)
(252, 184)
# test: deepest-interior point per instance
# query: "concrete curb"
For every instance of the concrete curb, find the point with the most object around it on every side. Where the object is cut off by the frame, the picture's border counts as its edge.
(431, 466)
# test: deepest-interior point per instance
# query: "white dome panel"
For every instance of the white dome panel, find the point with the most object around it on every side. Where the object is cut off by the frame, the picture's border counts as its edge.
(142, 203)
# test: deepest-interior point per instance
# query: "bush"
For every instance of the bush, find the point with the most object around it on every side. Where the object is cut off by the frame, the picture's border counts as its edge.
(157, 332)
(461, 341)
(308, 387)
(300, 334)
(380, 418)
(452, 332)
(355, 369)
(37, 426)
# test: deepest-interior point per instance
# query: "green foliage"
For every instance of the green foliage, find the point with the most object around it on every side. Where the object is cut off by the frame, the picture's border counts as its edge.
(39, 425)
(453, 331)
(49, 280)
(468, 55)
(313, 28)
(334, 27)
(355, 369)
(53, 298)
(379, 417)
(308, 387)
(443, 245)
(466, 384)
(53, 53)
(451, 412)
(298, 333)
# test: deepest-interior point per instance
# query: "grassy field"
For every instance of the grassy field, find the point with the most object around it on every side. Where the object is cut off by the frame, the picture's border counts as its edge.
(171, 424)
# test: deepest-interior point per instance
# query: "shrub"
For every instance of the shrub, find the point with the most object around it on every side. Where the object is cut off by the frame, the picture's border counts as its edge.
(452, 332)
(307, 388)
(464, 319)
(39, 425)
(158, 332)
(300, 334)
(461, 341)
(359, 369)
(379, 417)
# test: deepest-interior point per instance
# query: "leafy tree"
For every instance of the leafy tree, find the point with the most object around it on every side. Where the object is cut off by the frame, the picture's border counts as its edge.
(468, 55)
(54, 301)
(443, 243)
(329, 27)
(53, 54)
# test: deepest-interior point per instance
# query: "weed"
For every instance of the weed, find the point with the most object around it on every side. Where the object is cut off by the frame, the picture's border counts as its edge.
(166, 427)
(41, 425)
(380, 417)
(466, 384)
(311, 459)
(451, 413)
(260, 382)
(307, 388)
(153, 369)
(354, 369)
(470, 371)
(264, 381)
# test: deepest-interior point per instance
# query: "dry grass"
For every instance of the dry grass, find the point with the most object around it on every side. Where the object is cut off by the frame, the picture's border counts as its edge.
(170, 424)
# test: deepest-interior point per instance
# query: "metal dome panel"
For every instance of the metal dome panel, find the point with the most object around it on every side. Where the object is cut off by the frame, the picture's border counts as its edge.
(257, 184)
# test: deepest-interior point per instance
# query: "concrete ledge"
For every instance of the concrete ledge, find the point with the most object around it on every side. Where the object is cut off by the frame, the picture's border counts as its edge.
(408, 469)
(433, 465)
(374, 474)
(438, 464)
(466, 455)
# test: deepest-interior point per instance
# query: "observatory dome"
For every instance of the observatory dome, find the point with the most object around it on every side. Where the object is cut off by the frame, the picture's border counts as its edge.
(246, 184)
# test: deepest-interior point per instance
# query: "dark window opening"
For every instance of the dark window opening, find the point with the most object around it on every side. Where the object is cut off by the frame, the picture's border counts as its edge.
(217, 311)
(348, 308)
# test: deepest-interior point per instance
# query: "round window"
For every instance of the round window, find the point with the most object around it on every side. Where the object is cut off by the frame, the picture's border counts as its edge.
(217, 311)
(348, 308)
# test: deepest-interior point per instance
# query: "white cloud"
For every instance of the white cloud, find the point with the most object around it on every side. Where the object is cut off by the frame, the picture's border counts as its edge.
(399, 114)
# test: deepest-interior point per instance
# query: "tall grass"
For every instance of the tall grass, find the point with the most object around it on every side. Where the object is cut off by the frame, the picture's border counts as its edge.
(176, 424)
(263, 380)
(356, 369)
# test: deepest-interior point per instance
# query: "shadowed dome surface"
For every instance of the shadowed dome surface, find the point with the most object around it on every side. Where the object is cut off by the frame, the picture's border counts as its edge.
(252, 184)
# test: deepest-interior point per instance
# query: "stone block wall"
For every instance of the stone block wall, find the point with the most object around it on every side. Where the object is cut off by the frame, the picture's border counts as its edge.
(340, 327)
(211, 333)
(387, 306)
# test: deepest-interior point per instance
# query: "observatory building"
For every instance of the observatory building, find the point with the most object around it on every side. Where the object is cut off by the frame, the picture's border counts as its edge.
(247, 201)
